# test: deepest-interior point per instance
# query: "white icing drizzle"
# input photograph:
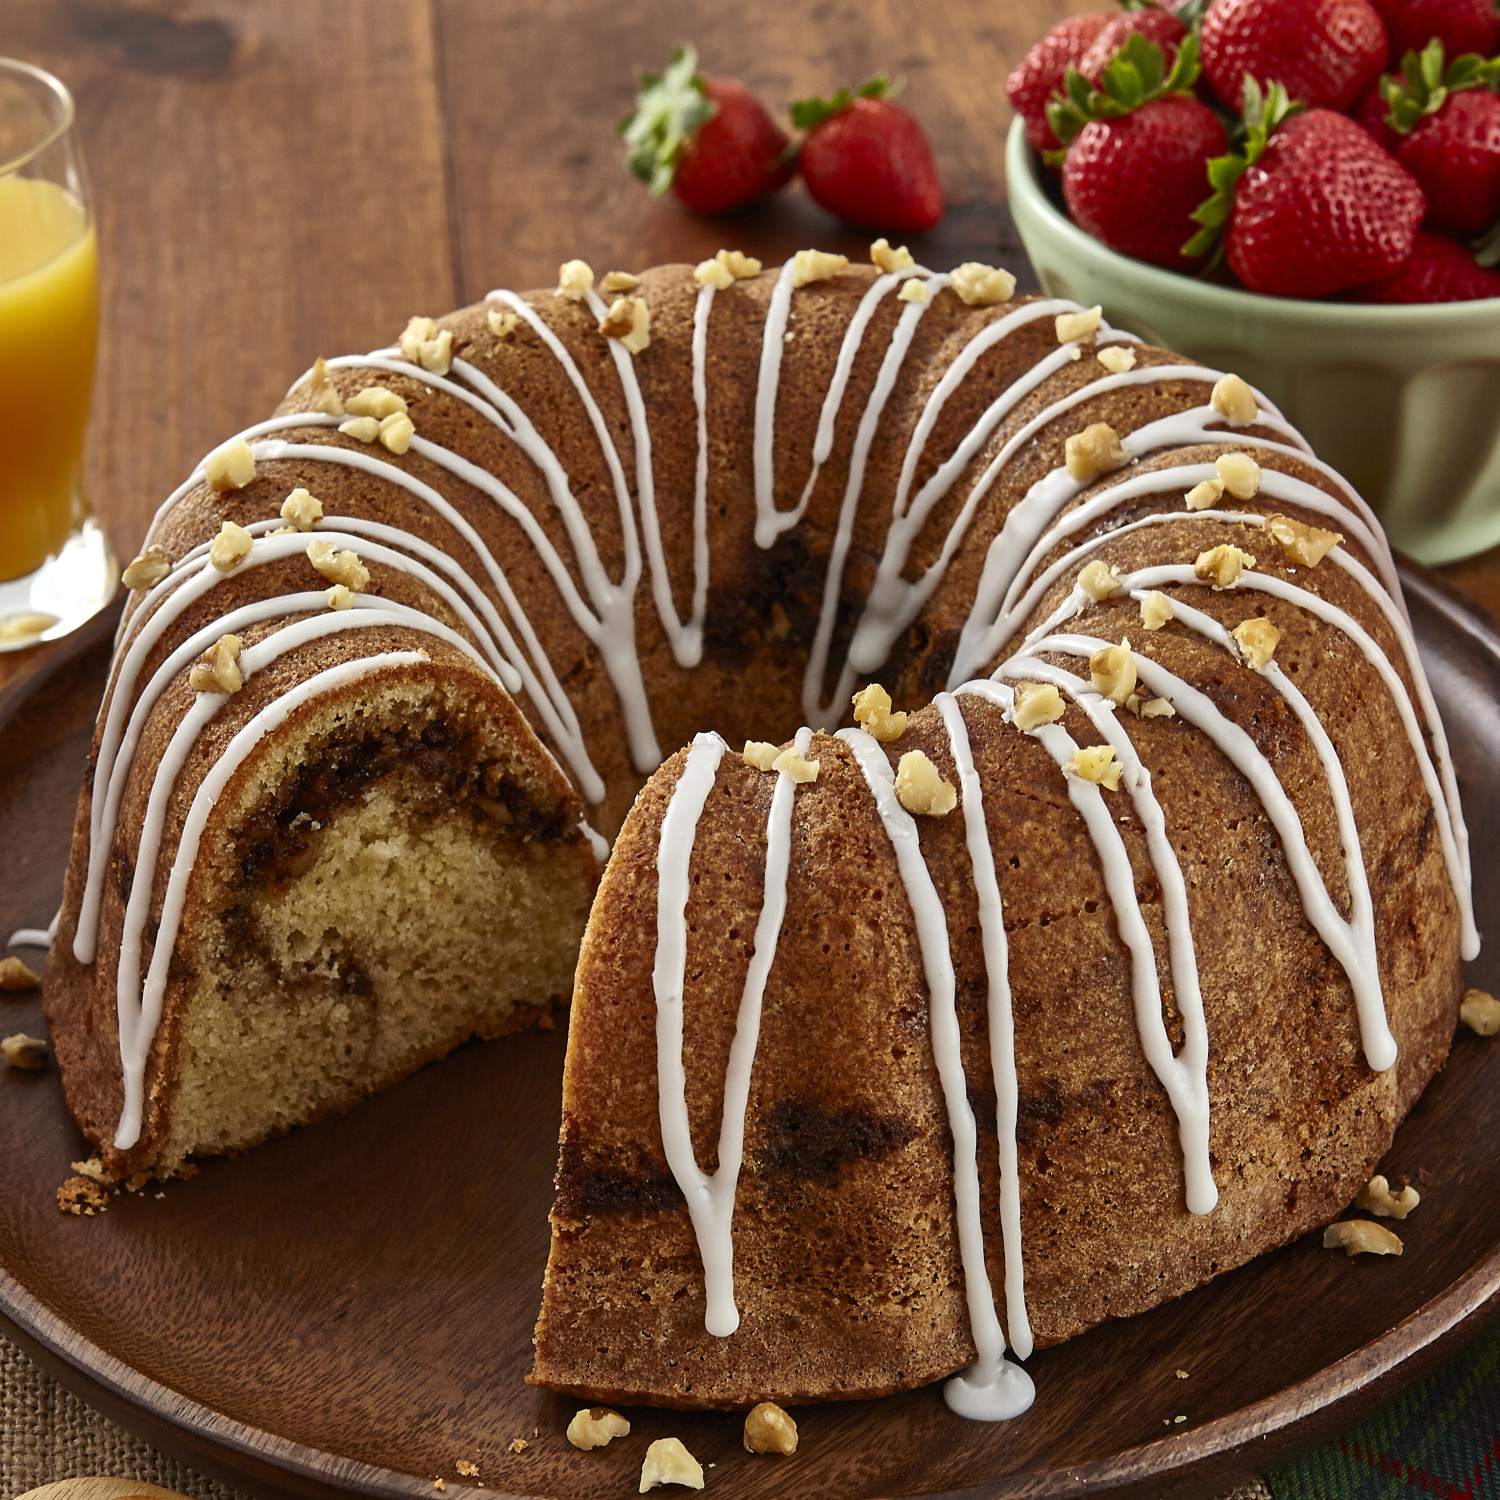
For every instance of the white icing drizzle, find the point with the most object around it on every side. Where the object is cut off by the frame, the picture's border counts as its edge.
(702, 307)
(1184, 1076)
(992, 1389)
(1002, 1026)
(1349, 942)
(710, 1199)
(139, 1006)
(35, 937)
(770, 522)
(833, 578)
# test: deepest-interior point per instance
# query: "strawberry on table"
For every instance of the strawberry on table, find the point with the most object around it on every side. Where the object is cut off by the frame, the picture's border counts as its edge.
(707, 139)
(1325, 53)
(1448, 124)
(1460, 25)
(1040, 73)
(1310, 205)
(868, 161)
(1138, 151)
(1441, 269)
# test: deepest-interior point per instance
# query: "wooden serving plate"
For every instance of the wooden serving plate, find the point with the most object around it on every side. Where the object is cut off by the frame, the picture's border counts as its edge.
(349, 1309)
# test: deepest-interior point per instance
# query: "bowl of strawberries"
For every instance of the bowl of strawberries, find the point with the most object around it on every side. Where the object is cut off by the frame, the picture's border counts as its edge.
(1306, 192)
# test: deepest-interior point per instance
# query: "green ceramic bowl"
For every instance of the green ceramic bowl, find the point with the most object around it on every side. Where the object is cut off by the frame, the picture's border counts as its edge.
(1405, 401)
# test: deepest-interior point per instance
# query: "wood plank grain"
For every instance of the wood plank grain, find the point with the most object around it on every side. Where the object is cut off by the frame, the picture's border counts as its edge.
(270, 187)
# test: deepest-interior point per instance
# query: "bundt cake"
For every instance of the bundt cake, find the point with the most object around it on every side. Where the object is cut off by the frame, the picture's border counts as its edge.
(1112, 966)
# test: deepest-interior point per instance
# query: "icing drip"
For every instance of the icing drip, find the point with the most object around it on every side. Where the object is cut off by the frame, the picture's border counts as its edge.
(833, 578)
(992, 1388)
(770, 522)
(35, 937)
(139, 1006)
(1350, 943)
(710, 1199)
(1001, 1020)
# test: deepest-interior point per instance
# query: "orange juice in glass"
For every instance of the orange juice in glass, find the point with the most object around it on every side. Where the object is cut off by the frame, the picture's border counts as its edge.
(55, 566)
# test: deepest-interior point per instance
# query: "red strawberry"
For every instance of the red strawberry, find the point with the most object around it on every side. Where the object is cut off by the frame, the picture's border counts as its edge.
(1460, 25)
(1041, 72)
(1138, 150)
(1448, 122)
(1325, 52)
(1312, 205)
(1159, 26)
(1441, 269)
(708, 139)
(868, 161)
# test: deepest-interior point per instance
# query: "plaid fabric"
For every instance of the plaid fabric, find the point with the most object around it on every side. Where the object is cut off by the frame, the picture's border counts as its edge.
(1441, 1438)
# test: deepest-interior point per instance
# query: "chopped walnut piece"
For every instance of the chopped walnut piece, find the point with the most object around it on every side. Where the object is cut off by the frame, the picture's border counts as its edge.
(1361, 1237)
(339, 597)
(1096, 450)
(518, 1445)
(1099, 581)
(147, 570)
(396, 432)
(596, 1426)
(629, 320)
(338, 566)
(468, 1469)
(502, 324)
(1157, 708)
(1480, 1012)
(668, 1462)
(1116, 358)
(619, 281)
(440, 1485)
(801, 771)
(1203, 495)
(738, 264)
(29, 1053)
(218, 669)
(922, 789)
(361, 429)
(1112, 669)
(1075, 326)
(93, 1168)
(1240, 474)
(575, 279)
(889, 260)
(1258, 640)
(1307, 545)
(322, 394)
(1156, 609)
(231, 467)
(769, 1429)
(816, 265)
(1377, 1198)
(761, 754)
(979, 285)
(1222, 565)
(302, 509)
(1097, 763)
(1233, 399)
(872, 712)
(15, 975)
(914, 289)
(375, 401)
(423, 345)
(1037, 703)
(713, 273)
(82, 1196)
(230, 548)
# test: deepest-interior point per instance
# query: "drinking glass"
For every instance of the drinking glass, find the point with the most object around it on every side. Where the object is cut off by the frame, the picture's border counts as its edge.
(56, 567)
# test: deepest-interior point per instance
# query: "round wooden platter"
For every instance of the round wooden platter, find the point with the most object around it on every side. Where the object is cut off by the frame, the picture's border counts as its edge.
(349, 1309)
